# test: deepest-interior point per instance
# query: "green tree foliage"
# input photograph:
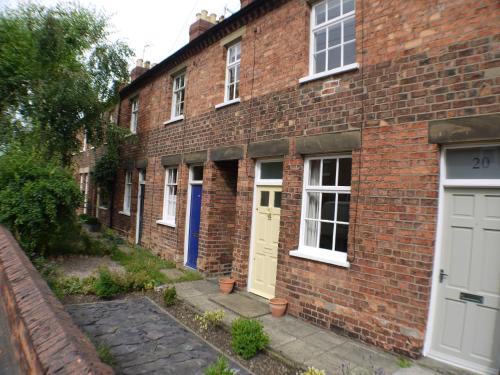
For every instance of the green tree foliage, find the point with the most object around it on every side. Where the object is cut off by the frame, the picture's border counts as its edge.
(38, 199)
(58, 73)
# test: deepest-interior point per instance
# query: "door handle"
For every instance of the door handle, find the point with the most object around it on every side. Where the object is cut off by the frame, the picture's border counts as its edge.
(442, 275)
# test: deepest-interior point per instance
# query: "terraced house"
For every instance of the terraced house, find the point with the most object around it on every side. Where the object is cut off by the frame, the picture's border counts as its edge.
(342, 154)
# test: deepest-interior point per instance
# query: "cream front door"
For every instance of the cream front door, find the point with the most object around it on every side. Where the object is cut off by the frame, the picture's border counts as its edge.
(265, 241)
(467, 320)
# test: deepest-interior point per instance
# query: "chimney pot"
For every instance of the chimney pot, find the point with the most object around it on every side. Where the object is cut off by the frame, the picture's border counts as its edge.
(147, 64)
(202, 24)
(139, 63)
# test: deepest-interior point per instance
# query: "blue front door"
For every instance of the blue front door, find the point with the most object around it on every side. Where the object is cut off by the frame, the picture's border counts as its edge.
(194, 225)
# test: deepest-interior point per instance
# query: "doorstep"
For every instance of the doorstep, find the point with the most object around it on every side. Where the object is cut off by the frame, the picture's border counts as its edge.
(302, 343)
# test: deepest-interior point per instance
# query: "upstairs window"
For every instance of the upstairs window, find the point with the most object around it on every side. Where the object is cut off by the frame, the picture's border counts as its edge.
(134, 115)
(178, 93)
(333, 35)
(233, 72)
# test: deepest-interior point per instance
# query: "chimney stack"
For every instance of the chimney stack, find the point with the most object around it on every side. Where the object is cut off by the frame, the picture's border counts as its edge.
(140, 68)
(203, 23)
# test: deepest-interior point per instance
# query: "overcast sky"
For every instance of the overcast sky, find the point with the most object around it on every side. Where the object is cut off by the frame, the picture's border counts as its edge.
(161, 25)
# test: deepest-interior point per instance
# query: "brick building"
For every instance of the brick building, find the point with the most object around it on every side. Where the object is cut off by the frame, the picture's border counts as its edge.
(343, 155)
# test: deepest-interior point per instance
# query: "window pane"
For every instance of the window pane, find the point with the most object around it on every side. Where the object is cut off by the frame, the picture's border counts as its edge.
(271, 171)
(237, 90)
(328, 206)
(312, 208)
(349, 30)
(334, 55)
(320, 38)
(329, 172)
(341, 238)
(350, 53)
(277, 199)
(264, 199)
(311, 233)
(343, 207)
(314, 166)
(345, 171)
(231, 77)
(232, 55)
(333, 9)
(348, 6)
(319, 62)
(334, 35)
(473, 163)
(238, 51)
(326, 236)
(231, 92)
(197, 173)
(237, 72)
(320, 10)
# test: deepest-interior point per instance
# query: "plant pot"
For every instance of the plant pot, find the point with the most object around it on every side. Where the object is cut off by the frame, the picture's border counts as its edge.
(226, 285)
(278, 306)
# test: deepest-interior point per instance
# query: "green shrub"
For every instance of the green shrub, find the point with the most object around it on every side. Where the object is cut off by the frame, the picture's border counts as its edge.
(248, 337)
(210, 319)
(107, 284)
(38, 199)
(169, 296)
(105, 355)
(139, 280)
(313, 371)
(404, 362)
(220, 367)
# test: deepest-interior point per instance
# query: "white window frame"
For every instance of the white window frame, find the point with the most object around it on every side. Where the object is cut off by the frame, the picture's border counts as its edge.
(176, 103)
(127, 194)
(134, 115)
(230, 65)
(84, 188)
(170, 197)
(315, 253)
(312, 44)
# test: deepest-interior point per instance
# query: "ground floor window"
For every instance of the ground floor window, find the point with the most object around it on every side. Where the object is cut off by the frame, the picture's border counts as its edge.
(170, 196)
(325, 208)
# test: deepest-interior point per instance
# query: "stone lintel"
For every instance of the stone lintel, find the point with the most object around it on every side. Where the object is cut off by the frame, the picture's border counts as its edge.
(330, 142)
(465, 129)
(268, 148)
(195, 157)
(170, 160)
(226, 153)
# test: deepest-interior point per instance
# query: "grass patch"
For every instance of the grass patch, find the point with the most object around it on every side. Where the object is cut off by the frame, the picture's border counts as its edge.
(189, 276)
(404, 362)
(104, 353)
(141, 261)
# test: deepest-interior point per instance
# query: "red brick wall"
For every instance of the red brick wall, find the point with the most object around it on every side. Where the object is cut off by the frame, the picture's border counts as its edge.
(46, 339)
(419, 61)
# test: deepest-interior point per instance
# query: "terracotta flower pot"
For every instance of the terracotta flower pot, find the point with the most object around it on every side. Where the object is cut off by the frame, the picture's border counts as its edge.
(226, 285)
(278, 306)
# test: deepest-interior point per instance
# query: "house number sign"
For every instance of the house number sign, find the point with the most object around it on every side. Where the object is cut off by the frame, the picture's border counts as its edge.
(473, 163)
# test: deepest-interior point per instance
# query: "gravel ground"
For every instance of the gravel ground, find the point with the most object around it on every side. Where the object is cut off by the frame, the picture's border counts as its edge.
(84, 266)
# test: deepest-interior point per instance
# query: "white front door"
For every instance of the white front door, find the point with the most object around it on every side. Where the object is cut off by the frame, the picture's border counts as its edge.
(467, 318)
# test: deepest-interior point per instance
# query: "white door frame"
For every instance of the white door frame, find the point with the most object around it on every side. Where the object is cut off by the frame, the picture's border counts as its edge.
(142, 181)
(258, 182)
(191, 182)
(443, 184)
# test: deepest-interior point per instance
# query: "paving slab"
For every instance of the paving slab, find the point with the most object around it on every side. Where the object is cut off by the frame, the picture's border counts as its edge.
(242, 305)
(144, 339)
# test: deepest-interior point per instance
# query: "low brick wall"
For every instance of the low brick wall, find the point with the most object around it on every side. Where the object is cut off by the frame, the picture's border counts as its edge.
(46, 340)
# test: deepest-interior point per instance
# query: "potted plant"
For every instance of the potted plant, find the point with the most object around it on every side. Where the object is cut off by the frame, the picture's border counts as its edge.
(226, 285)
(278, 306)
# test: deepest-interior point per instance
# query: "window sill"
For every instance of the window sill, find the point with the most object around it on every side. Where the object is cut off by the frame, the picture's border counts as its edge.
(342, 69)
(124, 213)
(174, 120)
(320, 258)
(230, 102)
(165, 223)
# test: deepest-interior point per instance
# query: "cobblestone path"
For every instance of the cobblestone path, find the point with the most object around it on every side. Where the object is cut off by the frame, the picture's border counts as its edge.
(143, 339)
